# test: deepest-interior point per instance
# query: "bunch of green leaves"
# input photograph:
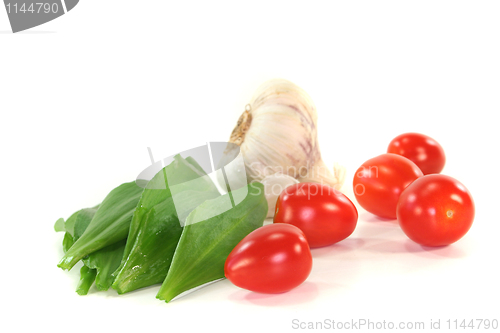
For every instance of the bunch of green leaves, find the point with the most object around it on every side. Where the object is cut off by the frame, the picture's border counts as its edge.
(96, 236)
(177, 231)
(97, 266)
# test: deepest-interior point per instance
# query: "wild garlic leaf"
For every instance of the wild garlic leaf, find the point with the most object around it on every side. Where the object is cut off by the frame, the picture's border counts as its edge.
(158, 191)
(109, 225)
(103, 261)
(160, 229)
(149, 259)
(205, 243)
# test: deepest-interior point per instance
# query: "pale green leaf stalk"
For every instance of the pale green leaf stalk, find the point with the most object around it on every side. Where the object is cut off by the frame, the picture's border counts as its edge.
(87, 277)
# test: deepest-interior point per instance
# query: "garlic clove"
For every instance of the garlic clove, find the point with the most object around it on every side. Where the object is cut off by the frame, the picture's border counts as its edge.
(319, 173)
(273, 186)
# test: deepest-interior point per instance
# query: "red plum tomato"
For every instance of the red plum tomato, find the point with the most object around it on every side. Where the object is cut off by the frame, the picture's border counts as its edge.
(435, 210)
(325, 215)
(422, 150)
(378, 183)
(272, 259)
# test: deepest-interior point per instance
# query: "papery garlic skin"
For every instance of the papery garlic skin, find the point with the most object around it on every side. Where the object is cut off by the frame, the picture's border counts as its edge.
(277, 133)
(273, 186)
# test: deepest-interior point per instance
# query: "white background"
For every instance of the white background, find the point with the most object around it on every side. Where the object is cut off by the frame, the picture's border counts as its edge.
(83, 96)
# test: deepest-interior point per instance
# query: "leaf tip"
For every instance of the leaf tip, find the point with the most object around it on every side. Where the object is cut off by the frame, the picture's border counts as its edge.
(82, 292)
(59, 225)
(165, 295)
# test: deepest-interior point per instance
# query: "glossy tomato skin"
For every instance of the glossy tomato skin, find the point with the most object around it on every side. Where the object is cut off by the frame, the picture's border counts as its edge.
(325, 215)
(378, 183)
(435, 210)
(421, 149)
(272, 259)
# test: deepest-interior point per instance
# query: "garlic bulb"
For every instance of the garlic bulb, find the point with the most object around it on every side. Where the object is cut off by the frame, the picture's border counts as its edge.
(278, 133)
(273, 186)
